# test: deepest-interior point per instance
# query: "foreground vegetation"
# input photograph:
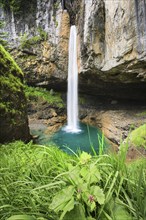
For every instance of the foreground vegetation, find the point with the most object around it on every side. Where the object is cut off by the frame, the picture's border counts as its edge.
(38, 182)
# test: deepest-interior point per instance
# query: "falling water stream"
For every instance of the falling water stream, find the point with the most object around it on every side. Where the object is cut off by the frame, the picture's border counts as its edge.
(75, 136)
(72, 94)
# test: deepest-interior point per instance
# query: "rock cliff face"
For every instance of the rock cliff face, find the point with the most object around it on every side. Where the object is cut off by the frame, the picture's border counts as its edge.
(13, 114)
(111, 45)
(39, 42)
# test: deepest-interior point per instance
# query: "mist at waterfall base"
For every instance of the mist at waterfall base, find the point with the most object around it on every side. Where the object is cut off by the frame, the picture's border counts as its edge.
(88, 138)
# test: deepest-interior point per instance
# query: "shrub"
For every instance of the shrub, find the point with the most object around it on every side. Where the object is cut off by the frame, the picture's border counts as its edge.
(50, 96)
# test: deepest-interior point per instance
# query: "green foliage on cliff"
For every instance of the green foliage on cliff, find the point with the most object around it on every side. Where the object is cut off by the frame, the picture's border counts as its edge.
(51, 97)
(18, 6)
(10, 82)
(43, 34)
(27, 42)
(3, 34)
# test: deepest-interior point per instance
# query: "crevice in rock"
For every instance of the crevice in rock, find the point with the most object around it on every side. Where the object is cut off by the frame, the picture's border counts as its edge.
(73, 7)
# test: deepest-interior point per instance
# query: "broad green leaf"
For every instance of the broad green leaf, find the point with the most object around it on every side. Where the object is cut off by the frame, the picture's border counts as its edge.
(62, 198)
(78, 213)
(92, 206)
(84, 172)
(82, 187)
(69, 206)
(94, 175)
(74, 176)
(98, 194)
(85, 158)
(85, 197)
(90, 174)
(21, 217)
(95, 172)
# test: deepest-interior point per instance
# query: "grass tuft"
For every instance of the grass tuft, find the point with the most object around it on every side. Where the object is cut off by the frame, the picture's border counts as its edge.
(31, 175)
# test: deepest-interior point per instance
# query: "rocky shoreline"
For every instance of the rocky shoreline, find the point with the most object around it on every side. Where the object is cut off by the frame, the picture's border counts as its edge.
(114, 118)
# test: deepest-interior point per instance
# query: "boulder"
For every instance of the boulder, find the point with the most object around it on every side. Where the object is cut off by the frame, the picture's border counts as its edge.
(13, 108)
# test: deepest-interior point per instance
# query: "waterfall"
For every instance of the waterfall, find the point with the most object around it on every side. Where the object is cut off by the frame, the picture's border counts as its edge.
(72, 93)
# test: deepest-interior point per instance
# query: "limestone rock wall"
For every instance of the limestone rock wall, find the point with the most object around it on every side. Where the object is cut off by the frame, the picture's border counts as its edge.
(114, 34)
(39, 42)
(111, 45)
(41, 15)
(113, 48)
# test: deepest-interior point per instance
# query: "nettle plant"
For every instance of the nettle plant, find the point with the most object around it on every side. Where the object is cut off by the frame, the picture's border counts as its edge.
(82, 195)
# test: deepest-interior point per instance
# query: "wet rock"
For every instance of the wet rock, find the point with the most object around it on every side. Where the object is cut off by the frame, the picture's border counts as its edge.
(50, 113)
(115, 121)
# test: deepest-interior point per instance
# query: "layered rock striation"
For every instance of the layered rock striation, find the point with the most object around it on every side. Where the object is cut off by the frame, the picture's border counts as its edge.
(113, 47)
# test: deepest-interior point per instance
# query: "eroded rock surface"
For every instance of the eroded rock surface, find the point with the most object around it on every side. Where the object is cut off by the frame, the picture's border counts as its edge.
(113, 48)
(115, 119)
(45, 116)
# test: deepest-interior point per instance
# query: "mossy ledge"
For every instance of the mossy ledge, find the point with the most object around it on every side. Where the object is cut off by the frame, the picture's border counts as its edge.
(13, 114)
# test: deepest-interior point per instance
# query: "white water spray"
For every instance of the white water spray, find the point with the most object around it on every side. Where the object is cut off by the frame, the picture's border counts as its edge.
(72, 93)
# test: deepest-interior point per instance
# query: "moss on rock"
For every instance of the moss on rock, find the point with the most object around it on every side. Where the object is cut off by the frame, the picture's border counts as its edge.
(13, 115)
(138, 137)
